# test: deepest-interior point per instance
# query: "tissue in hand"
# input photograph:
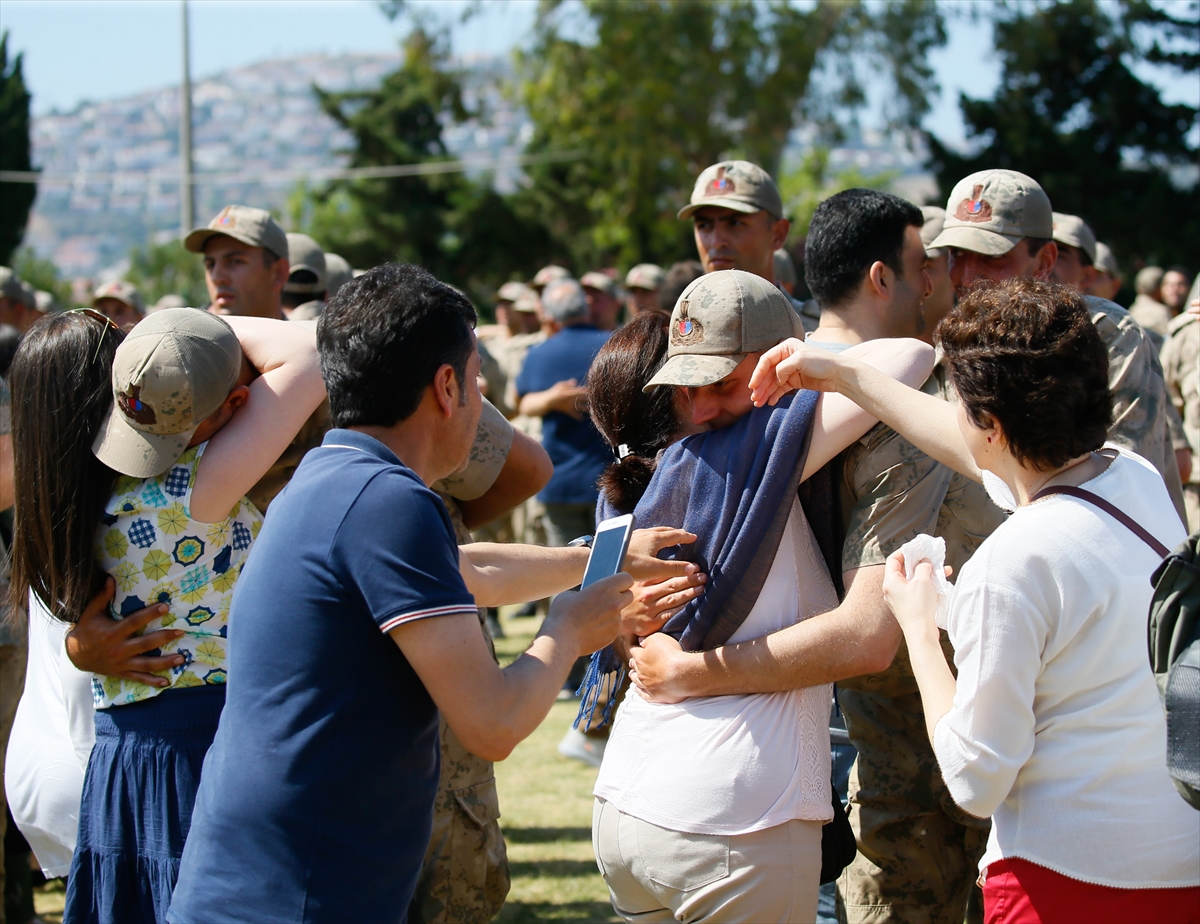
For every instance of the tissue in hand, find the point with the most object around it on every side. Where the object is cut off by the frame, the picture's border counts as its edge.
(933, 550)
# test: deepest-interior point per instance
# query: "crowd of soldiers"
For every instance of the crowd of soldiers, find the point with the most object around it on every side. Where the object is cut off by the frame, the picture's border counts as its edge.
(917, 850)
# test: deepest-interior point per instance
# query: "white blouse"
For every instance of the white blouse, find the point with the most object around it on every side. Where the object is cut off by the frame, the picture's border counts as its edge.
(726, 765)
(1057, 731)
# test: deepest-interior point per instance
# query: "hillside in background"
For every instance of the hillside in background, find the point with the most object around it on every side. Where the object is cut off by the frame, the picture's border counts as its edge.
(264, 120)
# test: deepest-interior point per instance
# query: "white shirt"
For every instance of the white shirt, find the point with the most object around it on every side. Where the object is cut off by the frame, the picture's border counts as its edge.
(51, 741)
(1057, 731)
(733, 764)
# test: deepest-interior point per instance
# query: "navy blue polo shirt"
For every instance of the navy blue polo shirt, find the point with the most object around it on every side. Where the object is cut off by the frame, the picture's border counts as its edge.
(316, 797)
(578, 451)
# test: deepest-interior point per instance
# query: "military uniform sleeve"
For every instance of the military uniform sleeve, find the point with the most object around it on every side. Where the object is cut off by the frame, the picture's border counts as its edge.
(891, 493)
(1135, 378)
(493, 440)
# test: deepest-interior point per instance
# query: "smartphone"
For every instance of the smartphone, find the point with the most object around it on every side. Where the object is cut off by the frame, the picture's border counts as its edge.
(608, 549)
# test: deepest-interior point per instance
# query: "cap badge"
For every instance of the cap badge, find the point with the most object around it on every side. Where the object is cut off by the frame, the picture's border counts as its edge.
(720, 185)
(133, 408)
(685, 331)
(976, 208)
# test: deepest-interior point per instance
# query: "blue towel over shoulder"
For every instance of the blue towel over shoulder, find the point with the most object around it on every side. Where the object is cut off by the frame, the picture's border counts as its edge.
(733, 488)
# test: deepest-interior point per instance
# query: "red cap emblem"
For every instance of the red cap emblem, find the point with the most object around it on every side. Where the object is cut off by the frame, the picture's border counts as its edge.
(720, 185)
(976, 208)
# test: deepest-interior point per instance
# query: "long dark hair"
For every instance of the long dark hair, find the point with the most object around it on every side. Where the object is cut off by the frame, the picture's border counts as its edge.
(61, 382)
(643, 422)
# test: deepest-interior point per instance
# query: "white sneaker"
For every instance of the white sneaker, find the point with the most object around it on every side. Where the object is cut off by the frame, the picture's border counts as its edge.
(578, 746)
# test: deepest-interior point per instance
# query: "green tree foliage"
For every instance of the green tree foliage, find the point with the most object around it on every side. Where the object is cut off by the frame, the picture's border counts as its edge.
(168, 269)
(456, 227)
(16, 199)
(651, 92)
(1072, 113)
(810, 183)
(42, 274)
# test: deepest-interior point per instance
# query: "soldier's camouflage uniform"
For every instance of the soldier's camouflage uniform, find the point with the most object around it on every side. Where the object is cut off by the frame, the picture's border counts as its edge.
(1135, 376)
(465, 878)
(918, 852)
(1181, 369)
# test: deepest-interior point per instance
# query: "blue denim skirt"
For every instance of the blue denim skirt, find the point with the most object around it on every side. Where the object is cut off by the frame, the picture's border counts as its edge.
(138, 794)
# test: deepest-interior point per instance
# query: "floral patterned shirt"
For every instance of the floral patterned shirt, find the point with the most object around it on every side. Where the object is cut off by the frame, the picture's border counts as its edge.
(156, 552)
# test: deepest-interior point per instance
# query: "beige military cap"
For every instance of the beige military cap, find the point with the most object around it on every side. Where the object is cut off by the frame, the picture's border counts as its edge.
(125, 292)
(649, 276)
(718, 320)
(251, 226)
(738, 185)
(990, 211)
(170, 372)
(1074, 232)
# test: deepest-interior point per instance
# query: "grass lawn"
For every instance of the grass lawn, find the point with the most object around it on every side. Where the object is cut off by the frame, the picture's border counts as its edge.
(546, 805)
(546, 815)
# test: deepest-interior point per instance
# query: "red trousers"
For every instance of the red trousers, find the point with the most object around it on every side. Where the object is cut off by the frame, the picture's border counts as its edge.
(1017, 891)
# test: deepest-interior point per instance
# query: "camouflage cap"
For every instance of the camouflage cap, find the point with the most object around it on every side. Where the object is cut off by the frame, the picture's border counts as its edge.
(124, 292)
(520, 296)
(511, 291)
(306, 258)
(1074, 232)
(47, 303)
(718, 320)
(170, 372)
(169, 301)
(990, 211)
(28, 296)
(601, 281)
(647, 276)
(10, 284)
(337, 274)
(251, 226)
(1106, 260)
(549, 274)
(1149, 280)
(935, 218)
(738, 185)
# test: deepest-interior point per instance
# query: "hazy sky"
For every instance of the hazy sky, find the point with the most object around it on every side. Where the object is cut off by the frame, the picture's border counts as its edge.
(77, 50)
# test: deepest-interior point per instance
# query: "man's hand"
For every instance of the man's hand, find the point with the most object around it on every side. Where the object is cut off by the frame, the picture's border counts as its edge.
(658, 667)
(914, 603)
(591, 617)
(100, 644)
(656, 602)
(790, 366)
(642, 559)
(567, 397)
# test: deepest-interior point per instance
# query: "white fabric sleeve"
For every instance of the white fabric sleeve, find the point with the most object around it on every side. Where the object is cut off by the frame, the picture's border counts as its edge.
(988, 735)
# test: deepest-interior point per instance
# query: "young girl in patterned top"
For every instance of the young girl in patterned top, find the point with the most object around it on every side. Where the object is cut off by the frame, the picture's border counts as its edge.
(203, 406)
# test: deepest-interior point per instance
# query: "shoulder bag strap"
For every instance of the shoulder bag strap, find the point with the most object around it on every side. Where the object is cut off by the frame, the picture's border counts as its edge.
(1140, 531)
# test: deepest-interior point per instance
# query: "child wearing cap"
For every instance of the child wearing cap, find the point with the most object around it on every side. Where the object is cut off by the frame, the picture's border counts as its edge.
(199, 409)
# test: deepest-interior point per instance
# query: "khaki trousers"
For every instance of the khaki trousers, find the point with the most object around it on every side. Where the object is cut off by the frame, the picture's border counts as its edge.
(654, 874)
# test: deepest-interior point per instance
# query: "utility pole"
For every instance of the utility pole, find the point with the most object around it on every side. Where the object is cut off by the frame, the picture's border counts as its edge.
(187, 198)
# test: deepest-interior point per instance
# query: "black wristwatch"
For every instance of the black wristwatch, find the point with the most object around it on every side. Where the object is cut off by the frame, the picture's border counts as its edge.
(583, 542)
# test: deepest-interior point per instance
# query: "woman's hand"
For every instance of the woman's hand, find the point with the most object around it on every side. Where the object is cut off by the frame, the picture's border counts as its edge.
(914, 603)
(100, 644)
(656, 602)
(658, 668)
(790, 366)
(642, 561)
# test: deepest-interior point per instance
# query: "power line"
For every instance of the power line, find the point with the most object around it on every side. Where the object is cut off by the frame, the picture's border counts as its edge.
(285, 177)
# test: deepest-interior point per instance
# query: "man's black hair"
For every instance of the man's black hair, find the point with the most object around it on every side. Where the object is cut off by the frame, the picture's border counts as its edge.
(850, 231)
(383, 336)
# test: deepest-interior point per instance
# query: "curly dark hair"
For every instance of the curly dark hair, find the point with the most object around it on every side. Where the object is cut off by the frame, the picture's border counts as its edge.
(645, 422)
(1025, 354)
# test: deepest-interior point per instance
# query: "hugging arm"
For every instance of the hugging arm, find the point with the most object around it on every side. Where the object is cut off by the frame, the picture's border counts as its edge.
(928, 422)
(839, 420)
